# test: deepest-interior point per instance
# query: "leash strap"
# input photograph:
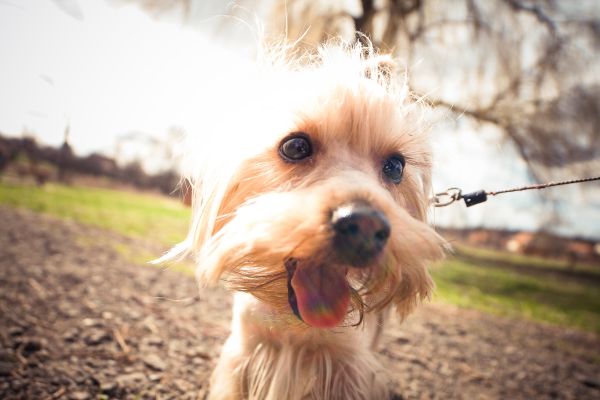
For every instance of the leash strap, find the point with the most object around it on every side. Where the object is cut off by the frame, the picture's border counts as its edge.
(451, 195)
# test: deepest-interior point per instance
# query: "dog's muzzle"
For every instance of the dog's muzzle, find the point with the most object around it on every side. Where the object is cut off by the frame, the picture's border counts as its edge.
(360, 233)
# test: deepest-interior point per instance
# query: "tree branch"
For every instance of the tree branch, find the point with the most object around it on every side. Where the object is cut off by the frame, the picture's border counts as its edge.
(537, 13)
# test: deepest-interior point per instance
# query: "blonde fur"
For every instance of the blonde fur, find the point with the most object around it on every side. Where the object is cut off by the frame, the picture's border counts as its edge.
(252, 211)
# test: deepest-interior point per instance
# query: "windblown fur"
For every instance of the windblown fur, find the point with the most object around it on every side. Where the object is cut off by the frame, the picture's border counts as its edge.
(253, 211)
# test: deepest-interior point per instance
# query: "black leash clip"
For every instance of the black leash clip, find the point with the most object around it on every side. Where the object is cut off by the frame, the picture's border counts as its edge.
(474, 198)
(451, 195)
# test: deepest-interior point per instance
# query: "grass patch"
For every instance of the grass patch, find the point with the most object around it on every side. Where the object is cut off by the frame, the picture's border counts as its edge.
(154, 217)
(549, 299)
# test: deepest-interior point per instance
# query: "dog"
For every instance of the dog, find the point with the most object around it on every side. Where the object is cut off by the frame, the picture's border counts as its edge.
(310, 201)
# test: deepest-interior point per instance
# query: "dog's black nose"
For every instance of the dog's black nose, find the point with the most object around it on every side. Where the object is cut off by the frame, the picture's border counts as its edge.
(360, 233)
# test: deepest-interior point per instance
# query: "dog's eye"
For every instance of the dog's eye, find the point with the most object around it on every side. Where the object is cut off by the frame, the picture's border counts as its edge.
(295, 148)
(393, 168)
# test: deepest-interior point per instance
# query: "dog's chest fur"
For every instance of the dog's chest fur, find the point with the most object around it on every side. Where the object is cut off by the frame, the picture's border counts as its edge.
(266, 356)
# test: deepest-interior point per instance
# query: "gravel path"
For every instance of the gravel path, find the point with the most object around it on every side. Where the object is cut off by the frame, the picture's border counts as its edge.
(79, 321)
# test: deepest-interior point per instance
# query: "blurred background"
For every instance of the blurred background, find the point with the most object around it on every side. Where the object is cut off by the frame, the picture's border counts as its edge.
(95, 97)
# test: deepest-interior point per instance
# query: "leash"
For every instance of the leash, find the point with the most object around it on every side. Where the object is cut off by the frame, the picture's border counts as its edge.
(451, 195)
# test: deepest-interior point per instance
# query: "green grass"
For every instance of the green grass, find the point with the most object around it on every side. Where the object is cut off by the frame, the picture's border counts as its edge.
(463, 280)
(556, 300)
(154, 217)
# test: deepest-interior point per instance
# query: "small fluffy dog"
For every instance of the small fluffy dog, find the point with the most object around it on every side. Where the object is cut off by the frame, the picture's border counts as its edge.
(310, 201)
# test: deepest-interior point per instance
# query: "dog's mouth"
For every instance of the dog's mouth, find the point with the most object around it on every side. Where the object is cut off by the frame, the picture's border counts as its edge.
(319, 295)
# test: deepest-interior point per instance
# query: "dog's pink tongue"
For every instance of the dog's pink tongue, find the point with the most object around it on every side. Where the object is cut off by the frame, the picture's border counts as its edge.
(323, 295)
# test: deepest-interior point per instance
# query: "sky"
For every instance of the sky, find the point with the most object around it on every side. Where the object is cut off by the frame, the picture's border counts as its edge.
(109, 70)
(114, 71)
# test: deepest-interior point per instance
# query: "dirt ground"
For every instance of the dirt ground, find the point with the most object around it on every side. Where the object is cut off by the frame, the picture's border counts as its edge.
(78, 321)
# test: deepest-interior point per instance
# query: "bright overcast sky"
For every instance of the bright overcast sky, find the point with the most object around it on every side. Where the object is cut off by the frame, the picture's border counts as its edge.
(116, 70)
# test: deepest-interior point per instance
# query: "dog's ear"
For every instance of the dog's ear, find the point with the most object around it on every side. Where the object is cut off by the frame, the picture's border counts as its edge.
(413, 288)
(205, 198)
(415, 250)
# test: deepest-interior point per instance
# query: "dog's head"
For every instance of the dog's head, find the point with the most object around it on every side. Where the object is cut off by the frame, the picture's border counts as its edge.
(313, 191)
